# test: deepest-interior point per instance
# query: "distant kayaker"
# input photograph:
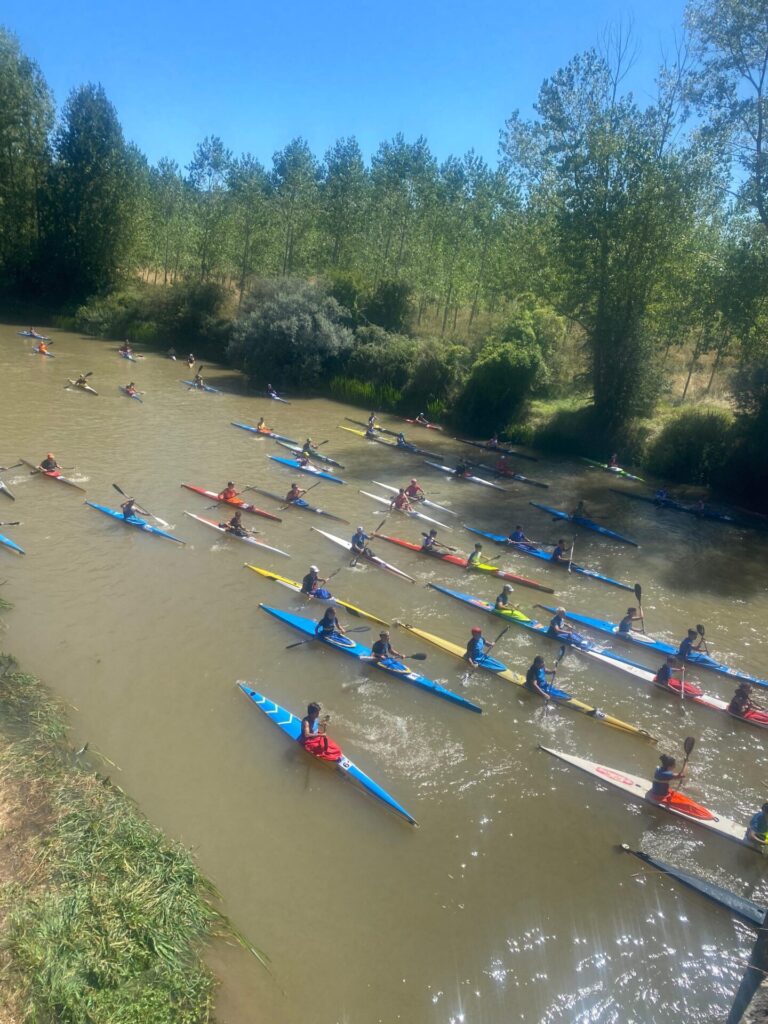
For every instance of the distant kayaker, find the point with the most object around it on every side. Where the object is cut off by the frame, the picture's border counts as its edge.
(501, 465)
(461, 468)
(125, 348)
(295, 493)
(82, 380)
(198, 380)
(191, 360)
(383, 648)
(130, 389)
(235, 525)
(372, 421)
(661, 495)
(475, 557)
(666, 672)
(625, 626)
(49, 463)
(580, 512)
(430, 544)
(690, 645)
(312, 584)
(313, 737)
(475, 647)
(329, 624)
(400, 502)
(741, 702)
(558, 625)
(502, 602)
(309, 446)
(401, 442)
(130, 508)
(561, 553)
(613, 462)
(303, 460)
(171, 353)
(422, 419)
(536, 678)
(414, 491)
(359, 541)
(517, 536)
(493, 441)
(42, 347)
(271, 392)
(662, 777)
(262, 426)
(757, 830)
(229, 492)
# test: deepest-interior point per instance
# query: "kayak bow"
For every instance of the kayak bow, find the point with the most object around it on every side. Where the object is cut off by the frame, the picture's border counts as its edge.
(312, 470)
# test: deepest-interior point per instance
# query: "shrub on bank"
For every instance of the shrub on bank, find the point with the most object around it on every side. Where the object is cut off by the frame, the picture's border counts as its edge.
(694, 446)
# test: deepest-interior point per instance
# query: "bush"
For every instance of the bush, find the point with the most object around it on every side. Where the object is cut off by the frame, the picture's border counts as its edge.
(499, 385)
(437, 377)
(695, 446)
(390, 306)
(365, 394)
(384, 359)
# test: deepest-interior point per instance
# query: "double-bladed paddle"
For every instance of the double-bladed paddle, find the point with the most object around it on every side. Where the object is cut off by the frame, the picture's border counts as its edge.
(688, 745)
(317, 636)
(144, 511)
(14, 523)
(701, 631)
(639, 596)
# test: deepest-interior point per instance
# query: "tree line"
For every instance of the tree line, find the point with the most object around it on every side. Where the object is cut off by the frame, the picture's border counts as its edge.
(610, 233)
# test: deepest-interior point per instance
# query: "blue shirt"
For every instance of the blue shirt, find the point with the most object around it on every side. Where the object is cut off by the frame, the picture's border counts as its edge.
(517, 535)
(625, 626)
(661, 780)
(475, 648)
(359, 539)
(758, 824)
(558, 622)
(558, 553)
(686, 648)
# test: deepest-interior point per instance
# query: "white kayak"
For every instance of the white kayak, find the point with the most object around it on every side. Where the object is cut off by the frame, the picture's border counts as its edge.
(416, 501)
(368, 558)
(413, 513)
(248, 540)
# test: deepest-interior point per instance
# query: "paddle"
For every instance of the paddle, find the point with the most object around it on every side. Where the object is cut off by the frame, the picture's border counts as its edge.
(688, 745)
(284, 507)
(639, 596)
(357, 554)
(14, 523)
(326, 579)
(570, 554)
(700, 630)
(4, 469)
(144, 511)
(440, 544)
(356, 629)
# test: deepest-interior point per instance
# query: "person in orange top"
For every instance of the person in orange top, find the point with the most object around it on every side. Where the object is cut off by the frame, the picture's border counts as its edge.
(42, 347)
(400, 502)
(413, 490)
(229, 492)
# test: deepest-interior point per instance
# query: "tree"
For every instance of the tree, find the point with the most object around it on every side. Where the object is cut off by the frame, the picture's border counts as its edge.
(207, 176)
(249, 193)
(295, 179)
(343, 204)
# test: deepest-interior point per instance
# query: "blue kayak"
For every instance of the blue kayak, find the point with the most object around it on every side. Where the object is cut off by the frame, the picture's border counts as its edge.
(142, 524)
(264, 433)
(201, 387)
(128, 394)
(588, 524)
(291, 726)
(39, 352)
(699, 658)
(127, 355)
(312, 470)
(349, 646)
(314, 454)
(545, 556)
(8, 543)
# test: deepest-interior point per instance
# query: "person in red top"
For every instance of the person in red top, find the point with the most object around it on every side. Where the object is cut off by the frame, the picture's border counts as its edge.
(413, 490)
(502, 466)
(313, 737)
(229, 492)
(295, 492)
(400, 502)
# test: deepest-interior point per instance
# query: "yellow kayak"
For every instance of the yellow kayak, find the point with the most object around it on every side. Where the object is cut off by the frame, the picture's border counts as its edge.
(295, 586)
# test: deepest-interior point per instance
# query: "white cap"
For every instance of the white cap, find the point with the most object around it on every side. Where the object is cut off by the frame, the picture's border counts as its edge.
(313, 568)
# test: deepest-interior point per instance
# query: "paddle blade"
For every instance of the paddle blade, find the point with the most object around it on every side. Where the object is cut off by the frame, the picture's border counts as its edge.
(639, 593)
(416, 657)
(700, 629)
(688, 745)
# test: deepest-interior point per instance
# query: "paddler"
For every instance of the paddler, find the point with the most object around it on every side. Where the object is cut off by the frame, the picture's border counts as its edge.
(558, 625)
(475, 556)
(295, 493)
(536, 678)
(757, 830)
(383, 648)
(613, 462)
(372, 421)
(303, 460)
(329, 624)
(422, 419)
(309, 446)
(400, 502)
(414, 491)
(462, 469)
(665, 672)
(125, 348)
(475, 647)
(312, 584)
(690, 645)
(235, 525)
(430, 544)
(580, 512)
(313, 737)
(262, 426)
(130, 508)
(171, 353)
(501, 465)
(741, 702)
(625, 626)
(42, 347)
(662, 777)
(502, 602)
(49, 464)
(82, 380)
(561, 554)
(229, 492)
(661, 496)
(493, 441)
(191, 360)
(359, 541)
(401, 441)
(517, 536)
(130, 389)
(198, 379)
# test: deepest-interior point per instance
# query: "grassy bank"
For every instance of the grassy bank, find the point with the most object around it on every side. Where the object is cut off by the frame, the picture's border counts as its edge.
(104, 920)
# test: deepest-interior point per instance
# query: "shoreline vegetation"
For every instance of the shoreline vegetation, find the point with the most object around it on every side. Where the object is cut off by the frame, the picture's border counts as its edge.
(103, 918)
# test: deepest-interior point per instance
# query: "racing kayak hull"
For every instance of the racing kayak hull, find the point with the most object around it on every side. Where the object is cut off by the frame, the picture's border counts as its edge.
(615, 470)
(52, 475)
(127, 355)
(374, 559)
(497, 448)
(678, 506)
(291, 726)
(494, 570)
(131, 394)
(74, 386)
(140, 524)
(11, 545)
(201, 387)
(227, 533)
(264, 433)
(588, 524)
(413, 514)
(31, 334)
(314, 454)
(5, 490)
(299, 503)
(244, 506)
(544, 556)
(295, 586)
(277, 398)
(39, 352)
(639, 788)
(467, 476)
(508, 473)
(311, 470)
(409, 449)
(363, 654)
(419, 501)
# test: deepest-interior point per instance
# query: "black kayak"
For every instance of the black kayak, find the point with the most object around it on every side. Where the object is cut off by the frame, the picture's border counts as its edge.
(743, 908)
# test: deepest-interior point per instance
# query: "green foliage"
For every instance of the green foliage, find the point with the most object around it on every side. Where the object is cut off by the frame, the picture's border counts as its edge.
(694, 446)
(290, 334)
(438, 374)
(390, 306)
(379, 397)
(383, 358)
(500, 382)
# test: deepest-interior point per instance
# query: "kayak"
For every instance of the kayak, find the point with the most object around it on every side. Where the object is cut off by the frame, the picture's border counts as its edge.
(244, 506)
(142, 524)
(128, 394)
(127, 355)
(429, 426)
(545, 556)
(413, 513)
(296, 588)
(501, 670)
(264, 433)
(312, 470)
(677, 804)
(616, 470)
(6, 491)
(347, 645)
(698, 658)
(588, 524)
(200, 387)
(359, 423)
(497, 448)
(740, 906)
(467, 476)
(52, 474)
(410, 449)
(508, 473)
(11, 545)
(291, 726)
(678, 506)
(40, 352)
(419, 501)
(34, 334)
(277, 398)
(299, 503)
(314, 454)
(459, 560)
(367, 557)
(80, 387)
(248, 540)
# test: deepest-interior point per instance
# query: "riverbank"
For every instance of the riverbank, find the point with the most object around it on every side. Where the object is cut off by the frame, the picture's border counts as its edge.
(103, 919)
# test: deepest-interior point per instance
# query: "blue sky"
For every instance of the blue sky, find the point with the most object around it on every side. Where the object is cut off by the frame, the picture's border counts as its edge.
(260, 74)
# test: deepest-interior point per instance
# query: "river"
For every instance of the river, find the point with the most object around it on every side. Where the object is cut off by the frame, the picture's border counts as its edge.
(509, 902)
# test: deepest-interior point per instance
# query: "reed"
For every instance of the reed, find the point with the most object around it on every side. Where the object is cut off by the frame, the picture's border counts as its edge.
(363, 393)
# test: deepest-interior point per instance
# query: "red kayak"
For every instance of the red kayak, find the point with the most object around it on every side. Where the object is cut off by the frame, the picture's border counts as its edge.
(462, 562)
(244, 506)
